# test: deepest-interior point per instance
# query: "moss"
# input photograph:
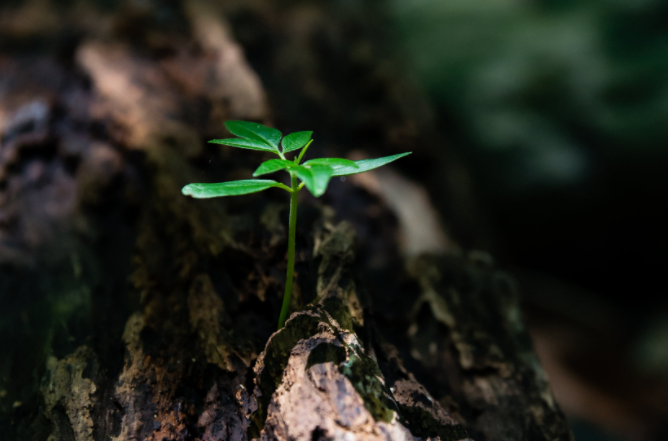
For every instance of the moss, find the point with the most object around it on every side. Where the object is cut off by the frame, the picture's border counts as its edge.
(363, 373)
(326, 352)
(336, 308)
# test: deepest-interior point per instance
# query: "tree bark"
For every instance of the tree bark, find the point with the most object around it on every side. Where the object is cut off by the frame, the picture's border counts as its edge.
(131, 312)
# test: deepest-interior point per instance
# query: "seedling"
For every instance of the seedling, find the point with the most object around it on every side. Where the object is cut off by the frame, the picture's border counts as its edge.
(314, 174)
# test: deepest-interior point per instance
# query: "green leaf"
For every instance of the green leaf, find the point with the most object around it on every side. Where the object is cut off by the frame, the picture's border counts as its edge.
(365, 165)
(250, 144)
(315, 177)
(295, 141)
(273, 165)
(332, 162)
(255, 131)
(232, 188)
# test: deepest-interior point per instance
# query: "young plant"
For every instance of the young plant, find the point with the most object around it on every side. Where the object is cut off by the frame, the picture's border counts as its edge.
(314, 174)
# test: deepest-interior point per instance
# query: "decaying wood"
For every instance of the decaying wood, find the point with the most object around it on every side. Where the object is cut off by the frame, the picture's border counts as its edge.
(150, 316)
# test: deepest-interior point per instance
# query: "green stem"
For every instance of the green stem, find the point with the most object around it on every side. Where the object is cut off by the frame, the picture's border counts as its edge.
(285, 187)
(298, 159)
(291, 253)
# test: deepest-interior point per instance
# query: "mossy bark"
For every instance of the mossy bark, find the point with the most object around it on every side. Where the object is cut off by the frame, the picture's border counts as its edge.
(130, 312)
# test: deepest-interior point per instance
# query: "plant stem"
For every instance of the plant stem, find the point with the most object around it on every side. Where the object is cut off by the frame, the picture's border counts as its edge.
(298, 159)
(291, 253)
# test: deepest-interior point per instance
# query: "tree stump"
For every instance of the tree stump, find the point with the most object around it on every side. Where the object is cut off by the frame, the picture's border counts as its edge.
(130, 312)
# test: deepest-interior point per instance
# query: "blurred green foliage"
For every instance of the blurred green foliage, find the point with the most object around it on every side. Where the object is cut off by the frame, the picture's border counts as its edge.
(543, 83)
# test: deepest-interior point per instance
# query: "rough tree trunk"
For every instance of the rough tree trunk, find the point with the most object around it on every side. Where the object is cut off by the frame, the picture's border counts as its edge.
(130, 312)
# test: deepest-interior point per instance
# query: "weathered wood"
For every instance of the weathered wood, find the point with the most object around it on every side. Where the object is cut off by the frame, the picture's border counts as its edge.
(134, 313)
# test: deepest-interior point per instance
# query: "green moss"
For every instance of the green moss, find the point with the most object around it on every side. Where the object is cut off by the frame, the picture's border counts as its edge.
(363, 373)
(326, 352)
(339, 312)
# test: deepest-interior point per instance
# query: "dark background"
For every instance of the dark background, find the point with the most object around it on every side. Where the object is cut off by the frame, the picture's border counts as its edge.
(560, 111)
